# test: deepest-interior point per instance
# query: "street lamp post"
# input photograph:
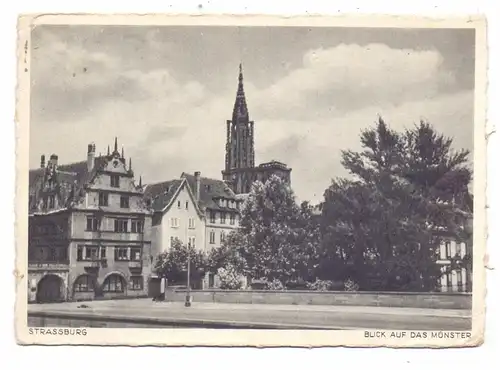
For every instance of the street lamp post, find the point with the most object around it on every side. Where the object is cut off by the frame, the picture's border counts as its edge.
(188, 291)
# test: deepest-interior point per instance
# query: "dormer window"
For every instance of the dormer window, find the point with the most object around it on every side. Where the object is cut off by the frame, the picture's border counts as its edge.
(115, 181)
(103, 199)
(124, 201)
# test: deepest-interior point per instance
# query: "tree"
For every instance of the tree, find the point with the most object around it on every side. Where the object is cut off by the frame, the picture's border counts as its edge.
(228, 254)
(172, 264)
(274, 238)
(408, 192)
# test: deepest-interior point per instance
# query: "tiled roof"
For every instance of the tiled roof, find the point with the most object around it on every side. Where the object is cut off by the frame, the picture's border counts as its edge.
(210, 190)
(161, 193)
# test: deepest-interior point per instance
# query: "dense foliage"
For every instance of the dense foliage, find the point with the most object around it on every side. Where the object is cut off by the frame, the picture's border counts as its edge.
(173, 264)
(379, 229)
(382, 228)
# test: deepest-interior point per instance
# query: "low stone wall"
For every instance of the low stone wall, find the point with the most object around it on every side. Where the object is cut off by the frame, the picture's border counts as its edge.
(301, 297)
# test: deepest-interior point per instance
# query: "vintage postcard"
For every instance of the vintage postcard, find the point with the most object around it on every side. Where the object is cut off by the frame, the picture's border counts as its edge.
(251, 180)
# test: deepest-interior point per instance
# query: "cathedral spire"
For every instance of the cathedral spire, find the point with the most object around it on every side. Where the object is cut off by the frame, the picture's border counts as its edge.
(130, 164)
(240, 104)
(140, 181)
(116, 145)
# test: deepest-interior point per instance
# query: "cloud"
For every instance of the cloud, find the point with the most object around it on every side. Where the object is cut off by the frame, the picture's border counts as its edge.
(348, 77)
(170, 124)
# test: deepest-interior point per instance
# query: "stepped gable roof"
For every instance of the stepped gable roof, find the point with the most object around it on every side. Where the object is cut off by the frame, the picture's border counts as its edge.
(77, 171)
(71, 179)
(210, 191)
(161, 193)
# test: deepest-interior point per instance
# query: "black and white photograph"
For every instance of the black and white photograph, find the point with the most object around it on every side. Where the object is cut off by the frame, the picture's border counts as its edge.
(238, 175)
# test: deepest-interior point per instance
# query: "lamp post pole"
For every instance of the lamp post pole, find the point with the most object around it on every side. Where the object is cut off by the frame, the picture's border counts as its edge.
(188, 291)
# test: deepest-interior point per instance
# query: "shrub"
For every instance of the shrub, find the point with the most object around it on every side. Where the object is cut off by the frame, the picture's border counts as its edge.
(321, 285)
(274, 285)
(350, 286)
(229, 278)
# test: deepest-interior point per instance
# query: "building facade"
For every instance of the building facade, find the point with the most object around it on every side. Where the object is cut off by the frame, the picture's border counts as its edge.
(240, 171)
(196, 210)
(455, 259)
(89, 230)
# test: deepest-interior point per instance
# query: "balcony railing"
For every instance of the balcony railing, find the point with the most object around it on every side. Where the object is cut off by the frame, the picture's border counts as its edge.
(94, 263)
(48, 265)
(135, 264)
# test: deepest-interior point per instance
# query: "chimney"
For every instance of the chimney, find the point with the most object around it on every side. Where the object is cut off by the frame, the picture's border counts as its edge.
(42, 161)
(197, 177)
(53, 160)
(90, 157)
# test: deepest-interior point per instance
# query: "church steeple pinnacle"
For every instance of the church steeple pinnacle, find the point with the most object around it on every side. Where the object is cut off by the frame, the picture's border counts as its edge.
(240, 105)
(240, 133)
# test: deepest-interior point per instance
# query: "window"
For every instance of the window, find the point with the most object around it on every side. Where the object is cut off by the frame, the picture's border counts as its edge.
(79, 253)
(449, 282)
(136, 283)
(212, 237)
(121, 254)
(222, 217)
(192, 241)
(115, 181)
(222, 237)
(459, 249)
(448, 249)
(179, 204)
(212, 217)
(91, 253)
(172, 239)
(137, 226)
(187, 205)
(124, 202)
(63, 254)
(84, 283)
(459, 280)
(103, 253)
(52, 201)
(135, 254)
(113, 284)
(174, 222)
(232, 218)
(52, 254)
(191, 223)
(103, 199)
(121, 226)
(92, 223)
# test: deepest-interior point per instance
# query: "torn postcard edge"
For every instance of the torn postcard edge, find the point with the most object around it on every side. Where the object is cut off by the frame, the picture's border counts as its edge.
(197, 317)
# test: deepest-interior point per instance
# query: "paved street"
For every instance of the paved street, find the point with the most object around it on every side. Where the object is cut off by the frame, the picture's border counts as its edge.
(260, 315)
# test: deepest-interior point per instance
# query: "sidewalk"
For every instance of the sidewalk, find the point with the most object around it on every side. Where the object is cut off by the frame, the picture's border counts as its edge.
(254, 316)
(206, 306)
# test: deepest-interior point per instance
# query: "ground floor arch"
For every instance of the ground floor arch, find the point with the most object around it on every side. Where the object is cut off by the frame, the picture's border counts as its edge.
(114, 283)
(50, 288)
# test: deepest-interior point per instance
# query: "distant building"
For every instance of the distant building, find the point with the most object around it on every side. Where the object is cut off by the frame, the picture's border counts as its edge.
(240, 171)
(89, 229)
(456, 277)
(197, 210)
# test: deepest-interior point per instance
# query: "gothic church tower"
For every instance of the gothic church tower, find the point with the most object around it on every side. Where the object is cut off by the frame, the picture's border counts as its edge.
(239, 145)
(240, 171)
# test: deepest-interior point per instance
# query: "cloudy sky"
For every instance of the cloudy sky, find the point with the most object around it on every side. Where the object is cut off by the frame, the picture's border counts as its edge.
(166, 93)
